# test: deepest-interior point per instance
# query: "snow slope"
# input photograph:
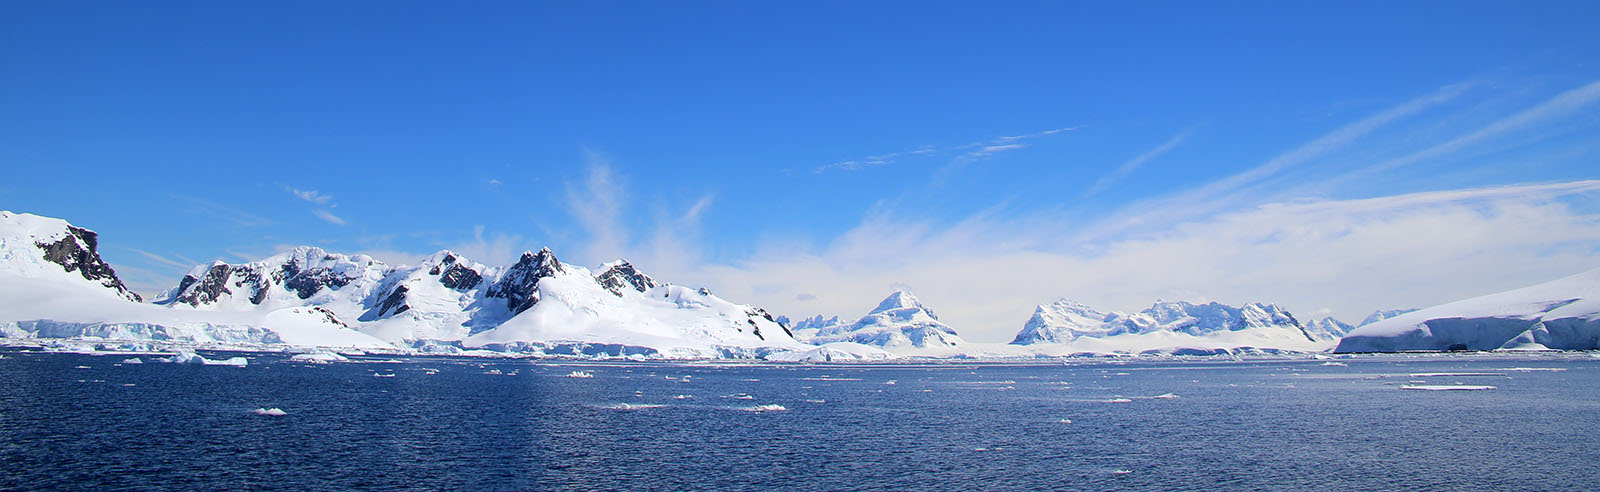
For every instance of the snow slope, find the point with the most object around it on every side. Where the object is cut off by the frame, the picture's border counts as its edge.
(1562, 314)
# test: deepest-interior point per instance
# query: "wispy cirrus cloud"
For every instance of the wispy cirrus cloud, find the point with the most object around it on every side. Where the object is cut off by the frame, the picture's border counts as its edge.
(327, 216)
(1132, 165)
(312, 196)
(962, 154)
(216, 210)
(162, 259)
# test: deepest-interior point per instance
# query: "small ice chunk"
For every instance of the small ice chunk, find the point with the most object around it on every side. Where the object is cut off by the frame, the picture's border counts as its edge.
(580, 374)
(270, 412)
(764, 408)
(134, 360)
(1166, 396)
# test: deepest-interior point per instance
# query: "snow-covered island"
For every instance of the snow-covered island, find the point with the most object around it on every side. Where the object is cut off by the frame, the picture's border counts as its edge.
(55, 287)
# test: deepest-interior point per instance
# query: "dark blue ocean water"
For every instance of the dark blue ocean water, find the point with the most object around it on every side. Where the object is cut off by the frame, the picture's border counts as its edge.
(80, 422)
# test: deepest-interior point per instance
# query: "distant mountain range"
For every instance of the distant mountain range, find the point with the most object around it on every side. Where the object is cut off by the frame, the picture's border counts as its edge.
(53, 284)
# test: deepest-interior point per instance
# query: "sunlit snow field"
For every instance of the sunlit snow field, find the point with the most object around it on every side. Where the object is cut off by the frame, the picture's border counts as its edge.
(82, 422)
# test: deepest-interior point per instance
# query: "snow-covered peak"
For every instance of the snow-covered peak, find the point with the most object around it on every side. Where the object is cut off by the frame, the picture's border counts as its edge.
(1383, 314)
(519, 283)
(900, 300)
(899, 322)
(618, 275)
(38, 247)
(1327, 328)
(1059, 322)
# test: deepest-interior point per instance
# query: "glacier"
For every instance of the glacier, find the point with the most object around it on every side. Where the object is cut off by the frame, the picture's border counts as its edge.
(1562, 314)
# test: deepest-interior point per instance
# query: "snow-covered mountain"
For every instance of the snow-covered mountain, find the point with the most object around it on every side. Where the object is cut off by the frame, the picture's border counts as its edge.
(1562, 314)
(1327, 328)
(900, 324)
(308, 296)
(1168, 325)
(53, 284)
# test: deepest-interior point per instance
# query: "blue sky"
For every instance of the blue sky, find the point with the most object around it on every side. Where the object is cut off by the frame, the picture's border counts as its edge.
(1337, 157)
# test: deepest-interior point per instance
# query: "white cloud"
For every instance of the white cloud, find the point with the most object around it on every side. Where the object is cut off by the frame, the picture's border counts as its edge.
(596, 206)
(1347, 257)
(312, 196)
(493, 249)
(328, 216)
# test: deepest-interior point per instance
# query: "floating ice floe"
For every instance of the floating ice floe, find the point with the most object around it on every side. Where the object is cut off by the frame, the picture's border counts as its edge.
(382, 375)
(270, 412)
(764, 408)
(318, 358)
(580, 374)
(740, 396)
(134, 360)
(1444, 387)
(1118, 400)
(192, 358)
(1536, 369)
(1336, 364)
(682, 397)
(1064, 421)
(1165, 396)
(495, 372)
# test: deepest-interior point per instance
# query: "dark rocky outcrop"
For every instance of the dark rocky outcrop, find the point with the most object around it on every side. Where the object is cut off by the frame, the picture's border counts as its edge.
(623, 276)
(78, 252)
(519, 286)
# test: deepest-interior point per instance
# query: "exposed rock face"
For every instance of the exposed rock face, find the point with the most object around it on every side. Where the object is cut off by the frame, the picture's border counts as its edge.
(207, 289)
(622, 275)
(78, 252)
(394, 303)
(519, 286)
(304, 272)
(457, 276)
